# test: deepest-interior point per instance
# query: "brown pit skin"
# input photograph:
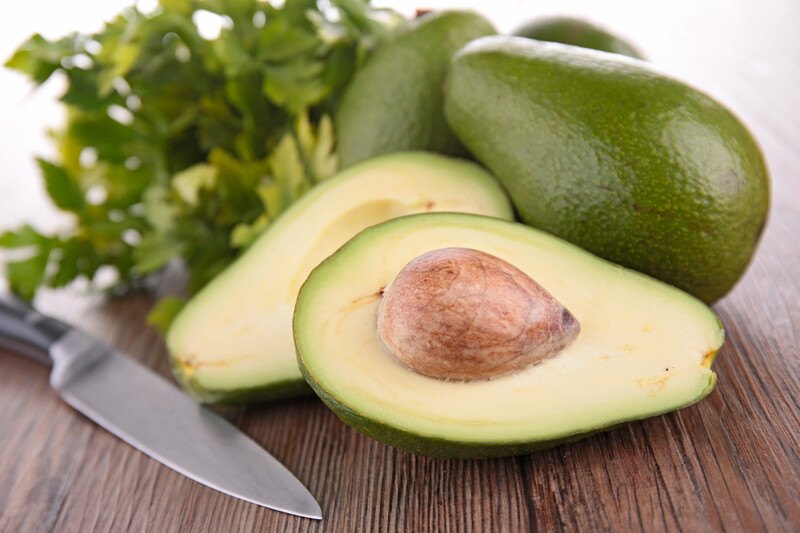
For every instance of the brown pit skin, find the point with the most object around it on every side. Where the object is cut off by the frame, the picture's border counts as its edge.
(461, 314)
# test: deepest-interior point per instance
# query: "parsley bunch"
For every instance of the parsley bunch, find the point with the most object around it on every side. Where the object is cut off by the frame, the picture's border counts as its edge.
(182, 147)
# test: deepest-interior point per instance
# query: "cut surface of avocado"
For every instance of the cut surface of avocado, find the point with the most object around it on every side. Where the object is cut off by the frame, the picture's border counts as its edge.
(233, 342)
(644, 347)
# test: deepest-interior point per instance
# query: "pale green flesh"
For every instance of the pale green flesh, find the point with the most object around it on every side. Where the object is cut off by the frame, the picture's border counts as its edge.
(237, 333)
(644, 347)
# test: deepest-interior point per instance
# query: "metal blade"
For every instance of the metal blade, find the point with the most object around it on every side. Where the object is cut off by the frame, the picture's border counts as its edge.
(140, 407)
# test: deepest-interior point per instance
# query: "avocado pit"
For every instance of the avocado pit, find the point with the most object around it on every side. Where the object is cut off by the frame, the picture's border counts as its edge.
(462, 314)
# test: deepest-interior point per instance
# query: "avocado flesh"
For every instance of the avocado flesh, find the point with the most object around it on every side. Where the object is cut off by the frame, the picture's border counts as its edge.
(576, 32)
(232, 343)
(644, 348)
(395, 101)
(607, 153)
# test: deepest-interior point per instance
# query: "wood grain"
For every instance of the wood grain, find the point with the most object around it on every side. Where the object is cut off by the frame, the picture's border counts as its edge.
(731, 462)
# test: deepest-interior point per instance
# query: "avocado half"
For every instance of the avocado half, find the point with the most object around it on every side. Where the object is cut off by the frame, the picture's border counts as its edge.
(232, 343)
(644, 348)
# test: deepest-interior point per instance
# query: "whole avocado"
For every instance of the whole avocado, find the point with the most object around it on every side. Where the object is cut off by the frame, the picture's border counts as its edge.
(605, 152)
(395, 102)
(577, 32)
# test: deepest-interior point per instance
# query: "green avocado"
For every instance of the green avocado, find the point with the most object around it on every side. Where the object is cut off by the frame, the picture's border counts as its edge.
(394, 102)
(577, 32)
(614, 156)
(232, 343)
(644, 347)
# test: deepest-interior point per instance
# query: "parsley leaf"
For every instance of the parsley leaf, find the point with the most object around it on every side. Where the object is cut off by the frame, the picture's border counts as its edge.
(181, 147)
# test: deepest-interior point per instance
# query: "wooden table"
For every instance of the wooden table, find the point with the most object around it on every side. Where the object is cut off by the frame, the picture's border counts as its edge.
(730, 462)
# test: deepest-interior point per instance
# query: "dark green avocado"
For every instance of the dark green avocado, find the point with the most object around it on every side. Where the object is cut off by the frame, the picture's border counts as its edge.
(394, 102)
(614, 156)
(577, 32)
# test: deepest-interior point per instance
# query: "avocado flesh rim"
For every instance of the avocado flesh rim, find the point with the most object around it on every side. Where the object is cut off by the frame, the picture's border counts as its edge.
(233, 342)
(645, 347)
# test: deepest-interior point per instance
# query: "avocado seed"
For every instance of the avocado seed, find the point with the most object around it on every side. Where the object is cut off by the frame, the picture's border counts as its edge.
(461, 314)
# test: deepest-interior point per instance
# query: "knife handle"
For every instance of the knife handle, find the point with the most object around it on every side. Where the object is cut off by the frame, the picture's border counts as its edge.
(26, 331)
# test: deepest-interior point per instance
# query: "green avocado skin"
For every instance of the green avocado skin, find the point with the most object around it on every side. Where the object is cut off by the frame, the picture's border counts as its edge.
(577, 32)
(394, 102)
(281, 390)
(438, 447)
(604, 152)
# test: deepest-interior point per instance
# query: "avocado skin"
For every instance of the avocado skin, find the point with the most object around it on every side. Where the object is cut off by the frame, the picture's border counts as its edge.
(451, 449)
(605, 152)
(577, 32)
(279, 390)
(394, 102)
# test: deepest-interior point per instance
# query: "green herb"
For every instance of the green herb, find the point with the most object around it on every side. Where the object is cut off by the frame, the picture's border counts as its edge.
(164, 312)
(182, 147)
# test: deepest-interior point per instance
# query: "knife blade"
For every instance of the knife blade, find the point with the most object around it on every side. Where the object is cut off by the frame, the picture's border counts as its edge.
(148, 412)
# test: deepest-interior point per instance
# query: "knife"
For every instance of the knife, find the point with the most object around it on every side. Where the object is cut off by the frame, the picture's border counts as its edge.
(146, 411)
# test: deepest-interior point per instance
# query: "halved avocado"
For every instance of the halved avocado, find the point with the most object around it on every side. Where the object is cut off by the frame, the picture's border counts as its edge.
(232, 343)
(644, 347)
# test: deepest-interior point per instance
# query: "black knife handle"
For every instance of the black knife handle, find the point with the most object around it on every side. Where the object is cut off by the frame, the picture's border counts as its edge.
(26, 331)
